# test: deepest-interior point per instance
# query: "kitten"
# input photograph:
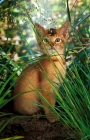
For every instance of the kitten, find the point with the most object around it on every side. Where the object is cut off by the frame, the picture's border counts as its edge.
(34, 77)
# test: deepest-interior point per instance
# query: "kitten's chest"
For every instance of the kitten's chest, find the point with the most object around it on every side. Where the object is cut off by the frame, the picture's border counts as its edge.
(59, 72)
(53, 71)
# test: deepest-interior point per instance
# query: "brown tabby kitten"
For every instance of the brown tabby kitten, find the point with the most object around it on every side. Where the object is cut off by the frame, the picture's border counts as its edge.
(34, 77)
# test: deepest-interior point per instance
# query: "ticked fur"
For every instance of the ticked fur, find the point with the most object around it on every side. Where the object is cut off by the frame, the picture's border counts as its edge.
(33, 81)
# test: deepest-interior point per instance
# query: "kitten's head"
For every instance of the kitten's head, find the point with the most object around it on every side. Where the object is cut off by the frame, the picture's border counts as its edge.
(51, 41)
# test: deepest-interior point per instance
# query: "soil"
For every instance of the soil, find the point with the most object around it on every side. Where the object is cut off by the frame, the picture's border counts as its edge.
(32, 128)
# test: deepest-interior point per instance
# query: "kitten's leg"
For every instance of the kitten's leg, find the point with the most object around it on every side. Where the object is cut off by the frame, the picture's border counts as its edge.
(49, 104)
(49, 107)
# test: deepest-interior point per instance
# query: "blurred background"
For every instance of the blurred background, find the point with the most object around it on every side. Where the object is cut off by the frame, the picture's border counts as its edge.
(17, 37)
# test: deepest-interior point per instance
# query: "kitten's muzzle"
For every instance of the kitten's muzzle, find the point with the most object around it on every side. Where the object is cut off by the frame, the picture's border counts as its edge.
(51, 46)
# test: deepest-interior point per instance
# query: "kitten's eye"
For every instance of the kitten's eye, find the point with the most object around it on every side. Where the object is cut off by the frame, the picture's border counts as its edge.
(57, 40)
(46, 40)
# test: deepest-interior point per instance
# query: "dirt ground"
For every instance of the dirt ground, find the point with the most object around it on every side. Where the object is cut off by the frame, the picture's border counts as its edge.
(33, 129)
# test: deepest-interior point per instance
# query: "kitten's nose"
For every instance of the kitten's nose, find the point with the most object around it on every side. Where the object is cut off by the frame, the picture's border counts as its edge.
(51, 45)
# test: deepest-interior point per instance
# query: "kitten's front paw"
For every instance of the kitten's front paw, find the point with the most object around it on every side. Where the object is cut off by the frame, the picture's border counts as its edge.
(53, 118)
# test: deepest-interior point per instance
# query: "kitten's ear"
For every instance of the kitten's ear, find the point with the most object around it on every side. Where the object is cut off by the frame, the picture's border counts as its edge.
(40, 29)
(64, 30)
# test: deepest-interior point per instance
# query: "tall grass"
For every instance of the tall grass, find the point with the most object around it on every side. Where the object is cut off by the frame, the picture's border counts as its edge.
(74, 103)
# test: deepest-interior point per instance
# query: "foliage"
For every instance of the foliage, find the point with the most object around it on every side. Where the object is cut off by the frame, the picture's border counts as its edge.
(75, 97)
